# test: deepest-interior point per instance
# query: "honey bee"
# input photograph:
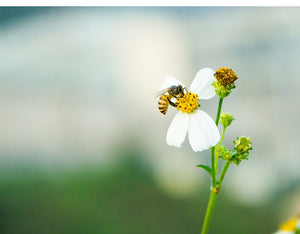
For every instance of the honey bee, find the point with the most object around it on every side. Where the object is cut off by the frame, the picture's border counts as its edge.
(167, 94)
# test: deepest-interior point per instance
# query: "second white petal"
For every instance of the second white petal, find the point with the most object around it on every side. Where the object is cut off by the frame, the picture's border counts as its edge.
(178, 129)
(202, 84)
(202, 131)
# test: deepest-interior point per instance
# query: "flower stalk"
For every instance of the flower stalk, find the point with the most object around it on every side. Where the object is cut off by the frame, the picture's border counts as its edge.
(216, 154)
(223, 85)
(209, 211)
(219, 110)
(223, 172)
(214, 170)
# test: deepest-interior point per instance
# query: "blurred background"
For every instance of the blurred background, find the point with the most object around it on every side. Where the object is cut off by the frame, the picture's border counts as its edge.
(82, 143)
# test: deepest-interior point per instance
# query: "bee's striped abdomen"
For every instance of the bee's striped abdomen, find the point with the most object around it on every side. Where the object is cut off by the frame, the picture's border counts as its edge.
(163, 104)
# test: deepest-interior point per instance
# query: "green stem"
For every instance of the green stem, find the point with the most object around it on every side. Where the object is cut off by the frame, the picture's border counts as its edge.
(217, 158)
(209, 211)
(212, 199)
(216, 166)
(222, 136)
(214, 170)
(219, 110)
(223, 172)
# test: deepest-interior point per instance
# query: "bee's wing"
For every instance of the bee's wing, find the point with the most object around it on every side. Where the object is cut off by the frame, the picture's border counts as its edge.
(161, 92)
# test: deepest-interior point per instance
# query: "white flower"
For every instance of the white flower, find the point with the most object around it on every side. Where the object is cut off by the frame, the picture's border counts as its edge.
(202, 130)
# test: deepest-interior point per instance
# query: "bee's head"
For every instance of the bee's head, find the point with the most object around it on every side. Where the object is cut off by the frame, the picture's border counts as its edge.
(181, 89)
(176, 90)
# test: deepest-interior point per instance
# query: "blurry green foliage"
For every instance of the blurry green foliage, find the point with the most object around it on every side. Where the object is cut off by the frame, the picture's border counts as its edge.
(124, 199)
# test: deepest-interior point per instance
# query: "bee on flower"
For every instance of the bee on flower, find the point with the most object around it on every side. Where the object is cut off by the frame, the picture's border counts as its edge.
(200, 127)
(166, 96)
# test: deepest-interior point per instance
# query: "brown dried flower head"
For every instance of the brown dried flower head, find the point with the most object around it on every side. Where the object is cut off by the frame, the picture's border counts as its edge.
(225, 76)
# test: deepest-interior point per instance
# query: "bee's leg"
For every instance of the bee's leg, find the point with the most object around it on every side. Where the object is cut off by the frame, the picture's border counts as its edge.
(172, 104)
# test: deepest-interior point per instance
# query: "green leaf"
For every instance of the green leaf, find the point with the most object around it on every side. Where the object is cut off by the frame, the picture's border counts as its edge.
(206, 168)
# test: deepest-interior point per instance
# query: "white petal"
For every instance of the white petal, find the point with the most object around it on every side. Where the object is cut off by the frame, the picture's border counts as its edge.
(169, 81)
(203, 132)
(177, 130)
(202, 84)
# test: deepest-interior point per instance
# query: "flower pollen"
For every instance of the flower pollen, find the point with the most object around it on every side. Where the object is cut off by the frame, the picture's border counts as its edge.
(225, 76)
(188, 103)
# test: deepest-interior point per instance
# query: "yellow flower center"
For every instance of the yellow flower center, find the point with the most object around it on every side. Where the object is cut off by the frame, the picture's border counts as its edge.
(289, 225)
(187, 103)
(225, 76)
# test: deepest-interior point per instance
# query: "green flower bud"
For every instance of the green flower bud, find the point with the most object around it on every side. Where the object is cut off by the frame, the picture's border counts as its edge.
(219, 149)
(243, 144)
(236, 161)
(226, 119)
(241, 149)
(227, 155)
(220, 90)
(242, 156)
